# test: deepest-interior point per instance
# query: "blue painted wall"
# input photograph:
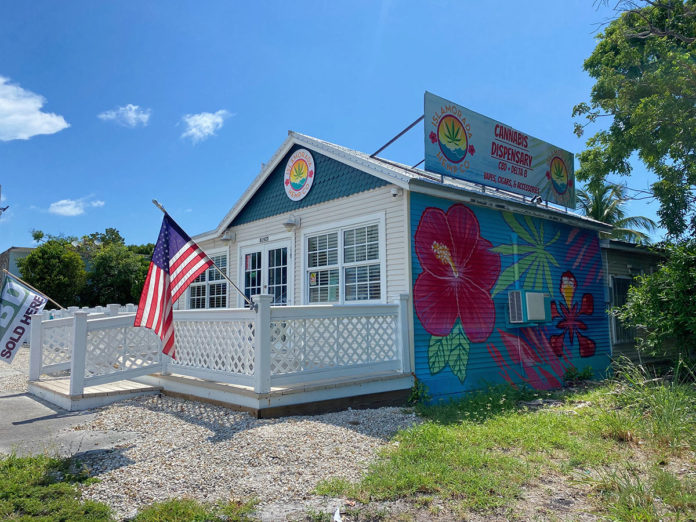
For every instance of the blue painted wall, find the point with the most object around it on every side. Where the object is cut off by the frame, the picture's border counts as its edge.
(465, 260)
(332, 180)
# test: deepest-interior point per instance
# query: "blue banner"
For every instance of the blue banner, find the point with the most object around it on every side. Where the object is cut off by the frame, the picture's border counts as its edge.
(466, 145)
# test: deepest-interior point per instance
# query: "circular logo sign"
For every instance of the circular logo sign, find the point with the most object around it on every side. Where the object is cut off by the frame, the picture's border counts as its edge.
(299, 174)
(452, 138)
(558, 172)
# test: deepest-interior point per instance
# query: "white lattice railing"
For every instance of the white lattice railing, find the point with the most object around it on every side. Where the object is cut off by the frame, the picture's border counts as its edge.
(256, 348)
(56, 344)
(311, 341)
(216, 345)
(114, 348)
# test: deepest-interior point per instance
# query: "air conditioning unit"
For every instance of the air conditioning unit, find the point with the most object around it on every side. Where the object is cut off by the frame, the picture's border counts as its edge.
(528, 307)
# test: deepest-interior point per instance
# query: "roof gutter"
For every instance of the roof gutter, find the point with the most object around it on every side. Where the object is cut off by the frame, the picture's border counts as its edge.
(506, 205)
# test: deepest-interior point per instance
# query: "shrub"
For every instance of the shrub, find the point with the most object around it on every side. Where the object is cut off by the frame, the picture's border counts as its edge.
(662, 305)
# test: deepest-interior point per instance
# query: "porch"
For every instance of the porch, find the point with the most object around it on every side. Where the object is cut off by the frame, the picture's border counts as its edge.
(270, 361)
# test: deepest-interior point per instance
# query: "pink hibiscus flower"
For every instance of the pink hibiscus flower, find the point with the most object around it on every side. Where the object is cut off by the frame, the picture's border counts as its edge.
(433, 137)
(459, 271)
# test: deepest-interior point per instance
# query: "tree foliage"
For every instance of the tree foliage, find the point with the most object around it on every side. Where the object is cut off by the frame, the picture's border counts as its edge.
(116, 276)
(56, 271)
(644, 65)
(109, 271)
(662, 304)
(604, 202)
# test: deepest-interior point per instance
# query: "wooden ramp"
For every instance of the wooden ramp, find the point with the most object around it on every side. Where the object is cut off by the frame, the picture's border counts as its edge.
(57, 391)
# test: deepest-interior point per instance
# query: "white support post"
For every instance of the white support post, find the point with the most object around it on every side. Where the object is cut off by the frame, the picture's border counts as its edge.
(403, 338)
(112, 309)
(79, 353)
(36, 347)
(262, 344)
(164, 364)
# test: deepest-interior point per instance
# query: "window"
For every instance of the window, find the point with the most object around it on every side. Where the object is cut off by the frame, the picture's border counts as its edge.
(322, 261)
(209, 290)
(345, 265)
(622, 334)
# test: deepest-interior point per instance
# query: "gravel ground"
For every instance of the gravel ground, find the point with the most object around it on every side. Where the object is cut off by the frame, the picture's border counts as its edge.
(14, 377)
(185, 448)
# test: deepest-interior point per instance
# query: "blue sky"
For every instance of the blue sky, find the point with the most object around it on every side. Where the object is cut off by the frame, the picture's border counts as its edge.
(107, 105)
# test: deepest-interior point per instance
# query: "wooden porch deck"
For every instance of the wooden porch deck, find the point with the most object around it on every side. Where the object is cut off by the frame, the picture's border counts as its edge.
(57, 391)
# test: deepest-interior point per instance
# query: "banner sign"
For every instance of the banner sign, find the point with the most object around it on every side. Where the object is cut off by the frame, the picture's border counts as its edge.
(466, 145)
(17, 305)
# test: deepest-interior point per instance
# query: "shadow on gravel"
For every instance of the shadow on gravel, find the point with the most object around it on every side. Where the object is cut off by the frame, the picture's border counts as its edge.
(224, 423)
(100, 461)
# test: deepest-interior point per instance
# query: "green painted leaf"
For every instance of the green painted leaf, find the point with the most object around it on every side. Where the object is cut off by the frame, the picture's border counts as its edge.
(551, 259)
(509, 250)
(547, 276)
(555, 238)
(508, 275)
(438, 353)
(459, 353)
(538, 270)
(532, 228)
(517, 228)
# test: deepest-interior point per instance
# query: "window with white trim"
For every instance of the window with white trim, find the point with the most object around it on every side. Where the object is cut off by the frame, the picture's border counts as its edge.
(209, 289)
(344, 265)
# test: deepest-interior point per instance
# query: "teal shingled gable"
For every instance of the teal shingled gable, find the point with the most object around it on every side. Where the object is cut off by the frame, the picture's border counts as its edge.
(332, 180)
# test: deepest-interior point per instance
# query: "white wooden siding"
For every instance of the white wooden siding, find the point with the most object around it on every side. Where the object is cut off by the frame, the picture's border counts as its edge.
(322, 216)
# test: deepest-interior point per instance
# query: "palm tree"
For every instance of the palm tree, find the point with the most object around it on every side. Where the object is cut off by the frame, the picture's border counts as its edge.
(604, 202)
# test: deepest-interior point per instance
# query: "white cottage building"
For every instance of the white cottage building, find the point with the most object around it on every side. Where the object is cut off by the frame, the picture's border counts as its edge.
(367, 274)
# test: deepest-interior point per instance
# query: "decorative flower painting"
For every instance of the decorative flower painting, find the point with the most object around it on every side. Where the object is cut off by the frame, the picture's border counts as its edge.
(466, 260)
(459, 270)
(569, 311)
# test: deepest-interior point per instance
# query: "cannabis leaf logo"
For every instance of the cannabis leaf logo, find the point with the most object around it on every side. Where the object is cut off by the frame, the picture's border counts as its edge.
(453, 133)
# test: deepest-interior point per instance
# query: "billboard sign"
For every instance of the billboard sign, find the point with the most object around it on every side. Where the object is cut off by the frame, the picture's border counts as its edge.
(464, 144)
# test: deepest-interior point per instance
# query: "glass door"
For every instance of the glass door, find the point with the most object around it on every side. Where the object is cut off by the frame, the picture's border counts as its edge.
(266, 270)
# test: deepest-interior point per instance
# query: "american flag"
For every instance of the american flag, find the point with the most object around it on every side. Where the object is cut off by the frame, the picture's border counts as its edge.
(176, 262)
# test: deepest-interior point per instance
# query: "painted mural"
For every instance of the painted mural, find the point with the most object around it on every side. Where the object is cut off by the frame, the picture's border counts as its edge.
(465, 261)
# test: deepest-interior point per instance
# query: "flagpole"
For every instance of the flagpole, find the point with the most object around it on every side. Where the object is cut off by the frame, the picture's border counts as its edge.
(34, 289)
(223, 274)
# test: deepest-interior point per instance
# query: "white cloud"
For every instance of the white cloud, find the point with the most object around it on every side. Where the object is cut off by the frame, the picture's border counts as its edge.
(203, 125)
(21, 116)
(128, 116)
(73, 207)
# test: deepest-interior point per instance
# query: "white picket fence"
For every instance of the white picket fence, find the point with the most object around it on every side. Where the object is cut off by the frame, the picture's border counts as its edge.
(269, 346)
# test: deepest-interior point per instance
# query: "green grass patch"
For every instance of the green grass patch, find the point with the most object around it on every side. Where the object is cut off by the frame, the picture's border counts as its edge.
(662, 408)
(45, 488)
(478, 453)
(630, 493)
(185, 510)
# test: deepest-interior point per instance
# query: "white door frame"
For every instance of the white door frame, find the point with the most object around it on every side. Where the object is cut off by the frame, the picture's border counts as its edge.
(264, 248)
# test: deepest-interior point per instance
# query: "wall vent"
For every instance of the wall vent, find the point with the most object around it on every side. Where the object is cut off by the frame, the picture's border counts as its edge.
(515, 306)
